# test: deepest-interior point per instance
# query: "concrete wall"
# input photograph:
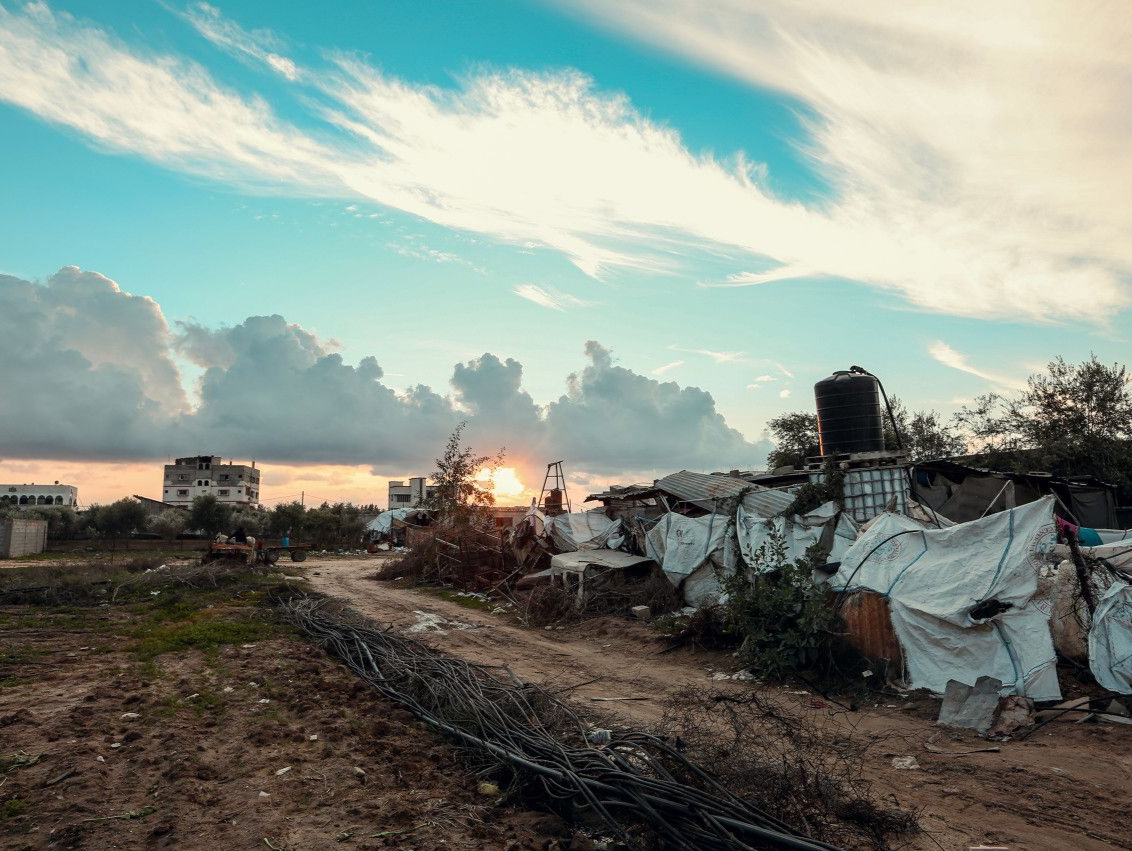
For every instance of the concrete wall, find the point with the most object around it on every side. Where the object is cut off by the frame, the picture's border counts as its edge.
(21, 537)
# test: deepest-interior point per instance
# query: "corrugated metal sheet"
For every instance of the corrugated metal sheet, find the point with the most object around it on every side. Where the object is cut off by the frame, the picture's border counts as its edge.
(707, 492)
(868, 627)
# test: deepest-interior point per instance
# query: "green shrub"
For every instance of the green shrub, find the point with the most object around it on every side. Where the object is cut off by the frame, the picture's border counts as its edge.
(782, 619)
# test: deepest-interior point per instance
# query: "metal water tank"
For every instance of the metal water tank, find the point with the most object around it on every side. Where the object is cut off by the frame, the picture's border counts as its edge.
(849, 413)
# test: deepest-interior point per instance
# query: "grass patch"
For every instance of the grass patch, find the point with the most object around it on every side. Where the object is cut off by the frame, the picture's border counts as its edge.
(11, 808)
(459, 598)
(13, 654)
(206, 631)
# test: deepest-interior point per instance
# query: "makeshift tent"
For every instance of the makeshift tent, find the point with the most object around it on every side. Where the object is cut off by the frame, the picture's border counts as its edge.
(1110, 639)
(963, 598)
(584, 530)
(690, 550)
(381, 524)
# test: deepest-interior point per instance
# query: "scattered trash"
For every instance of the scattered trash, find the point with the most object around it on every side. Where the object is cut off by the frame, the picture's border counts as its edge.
(641, 612)
(1014, 712)
(264, 794)
(360, 772)
(905, 762)
(617, 698)
(282, 771)
(264, 700)
(486, 788)
(59, 778)
(599, 737)
(116, 745)
(313, 737)
(100, 758)
(930, 746)
(193, 696)
(866, 673)
(129, 716)
(228, 689)
(432, 622)
(970, 707)
(740, 676)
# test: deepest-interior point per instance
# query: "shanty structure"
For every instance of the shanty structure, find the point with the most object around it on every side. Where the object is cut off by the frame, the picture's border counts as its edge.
(961, 491)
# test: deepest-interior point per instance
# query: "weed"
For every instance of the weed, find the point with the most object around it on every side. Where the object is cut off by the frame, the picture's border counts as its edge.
(460, 598)
(206, 631)
(11, 808)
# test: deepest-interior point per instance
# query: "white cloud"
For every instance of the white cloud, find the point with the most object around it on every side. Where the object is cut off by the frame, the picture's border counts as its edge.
(548, 297)
(259, 45)
(764, 378)
(89, 373)
(661, 370)
(978, 169)
(784, 393)
(949, 357)
(718, 357)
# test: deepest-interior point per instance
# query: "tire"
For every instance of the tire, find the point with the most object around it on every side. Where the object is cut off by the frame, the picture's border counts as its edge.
(298, 555)
(270, 556)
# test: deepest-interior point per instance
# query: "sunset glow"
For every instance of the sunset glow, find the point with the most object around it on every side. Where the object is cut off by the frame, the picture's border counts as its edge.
(505, 483)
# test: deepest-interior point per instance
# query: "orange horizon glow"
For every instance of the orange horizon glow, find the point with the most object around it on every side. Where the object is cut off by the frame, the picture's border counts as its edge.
(504, 482)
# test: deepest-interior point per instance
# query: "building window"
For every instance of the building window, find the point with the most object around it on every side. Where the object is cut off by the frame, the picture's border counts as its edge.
(58, 500)
(401, 497)
(223, 493)
(182, 493)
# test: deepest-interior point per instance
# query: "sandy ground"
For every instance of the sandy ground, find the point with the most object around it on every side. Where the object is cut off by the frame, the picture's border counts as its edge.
(1066, 787)
(260, 745)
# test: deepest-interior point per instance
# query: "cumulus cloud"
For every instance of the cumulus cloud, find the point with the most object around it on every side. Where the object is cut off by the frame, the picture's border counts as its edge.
(89, 373)
(976, 169)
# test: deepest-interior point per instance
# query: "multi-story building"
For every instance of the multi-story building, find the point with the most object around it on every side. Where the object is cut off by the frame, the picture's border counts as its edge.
(41, 496)
(198, 475)
(416, 492)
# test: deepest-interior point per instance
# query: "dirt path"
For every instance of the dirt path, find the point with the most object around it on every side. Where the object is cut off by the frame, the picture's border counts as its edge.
(1065, 787)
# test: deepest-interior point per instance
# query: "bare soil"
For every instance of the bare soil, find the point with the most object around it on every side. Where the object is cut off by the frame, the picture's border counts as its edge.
(263, 744)
(1066, 787)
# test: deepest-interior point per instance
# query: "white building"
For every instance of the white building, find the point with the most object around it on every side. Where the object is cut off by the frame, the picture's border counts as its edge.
(200, 475)
(402, 495)
(39, 496)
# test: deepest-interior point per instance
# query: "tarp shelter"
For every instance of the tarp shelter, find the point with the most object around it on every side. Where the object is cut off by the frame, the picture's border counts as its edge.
(584, 530)
(690, 550)
(383, 523)
(961, 491)
(1110, 639)
(963, 599)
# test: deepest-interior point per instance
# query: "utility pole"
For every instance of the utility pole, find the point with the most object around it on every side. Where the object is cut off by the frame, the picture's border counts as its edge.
(303, 499)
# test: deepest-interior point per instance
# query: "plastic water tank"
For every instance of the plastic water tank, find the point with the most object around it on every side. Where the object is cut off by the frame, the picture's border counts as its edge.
(849, 413)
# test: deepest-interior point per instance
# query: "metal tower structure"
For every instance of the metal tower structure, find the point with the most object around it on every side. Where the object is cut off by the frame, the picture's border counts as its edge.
(554, 499)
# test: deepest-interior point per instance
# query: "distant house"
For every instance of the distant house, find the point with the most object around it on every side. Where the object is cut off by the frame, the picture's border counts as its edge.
(200, 475)
(410, 495)
(39, 496)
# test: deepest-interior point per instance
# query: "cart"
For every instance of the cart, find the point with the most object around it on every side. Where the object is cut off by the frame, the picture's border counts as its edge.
(268, 554)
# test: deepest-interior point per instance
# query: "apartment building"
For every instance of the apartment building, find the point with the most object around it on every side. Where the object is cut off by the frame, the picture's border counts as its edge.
(197, 475)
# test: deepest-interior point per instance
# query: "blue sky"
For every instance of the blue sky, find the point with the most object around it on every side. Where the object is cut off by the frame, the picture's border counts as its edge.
(717, 199)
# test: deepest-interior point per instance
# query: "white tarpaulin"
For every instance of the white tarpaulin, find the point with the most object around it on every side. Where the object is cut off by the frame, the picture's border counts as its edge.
(381, 524)
(934, 578)
(1110, 639)
(797, 533)
(584, 530)
(690, 549)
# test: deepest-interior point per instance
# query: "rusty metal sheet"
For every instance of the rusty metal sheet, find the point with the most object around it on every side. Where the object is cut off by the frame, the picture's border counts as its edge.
(869, 626)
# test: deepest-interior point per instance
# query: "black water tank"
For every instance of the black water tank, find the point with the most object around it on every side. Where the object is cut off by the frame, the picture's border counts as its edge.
(849, 416)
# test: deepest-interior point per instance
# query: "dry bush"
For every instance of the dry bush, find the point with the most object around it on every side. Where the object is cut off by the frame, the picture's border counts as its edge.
(806, 774)
(706, 627)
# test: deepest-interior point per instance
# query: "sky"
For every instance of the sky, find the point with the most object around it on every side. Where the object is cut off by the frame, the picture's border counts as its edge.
(622, 234)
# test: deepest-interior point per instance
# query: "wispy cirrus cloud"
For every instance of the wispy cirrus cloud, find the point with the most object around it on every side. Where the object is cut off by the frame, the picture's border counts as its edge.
(668, 367)
(260, 45)
(949, 357)
(718, 357)
(548, 297)
(937, 137)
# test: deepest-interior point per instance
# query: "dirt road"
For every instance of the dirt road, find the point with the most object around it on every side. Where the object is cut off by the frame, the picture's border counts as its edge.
(1065, 787)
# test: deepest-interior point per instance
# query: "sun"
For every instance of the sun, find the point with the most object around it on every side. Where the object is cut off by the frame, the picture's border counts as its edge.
(504, 482)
